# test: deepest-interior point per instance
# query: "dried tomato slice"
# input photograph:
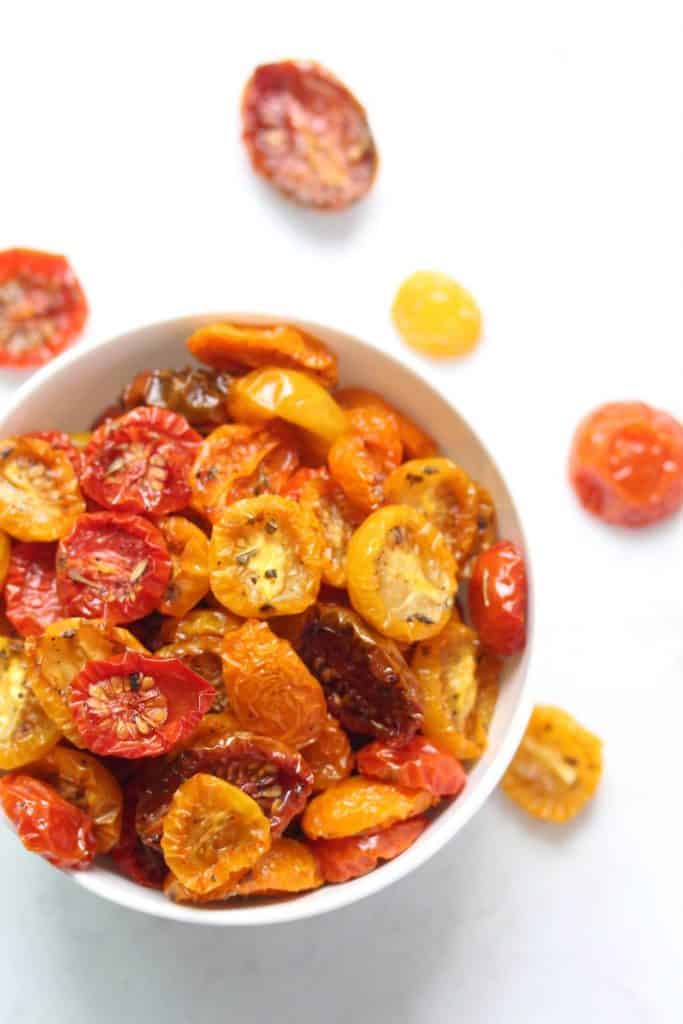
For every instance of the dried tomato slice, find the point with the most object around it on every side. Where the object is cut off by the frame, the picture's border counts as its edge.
(308, 135)
(338, 519)
(203, 656)
(498, 597)
(358, 805)
(189, 551)
(343, 859)
(197, 394)
(417, 444)
(63, 443)
(26, 732)
(487, 529)
(329, 757)
(42, 306)
(46, 823)
(361, 459)
(112, 566)
(138, 862)
(417, 764)
(288, 866)
(141, 462)
(292, 396)
(39, 494)
(31, 598)
(135, 705)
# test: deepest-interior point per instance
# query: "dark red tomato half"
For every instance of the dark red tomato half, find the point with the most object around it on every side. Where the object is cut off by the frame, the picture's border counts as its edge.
(46, 823)
(42, 306)
(497, 598)
(343, 859)
(31, 599)
(138, 862)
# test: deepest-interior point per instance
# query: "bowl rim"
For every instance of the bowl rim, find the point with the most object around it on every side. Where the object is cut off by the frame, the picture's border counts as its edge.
(440, 831)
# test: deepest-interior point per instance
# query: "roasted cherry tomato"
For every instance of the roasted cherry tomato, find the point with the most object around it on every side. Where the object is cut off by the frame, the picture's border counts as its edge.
(271, 692)
(557, 766)
(46, 823)
(5, 552)
(417, 444)
(417, 764)
(497, 598)
(358, 805)
(112, 566)
(133, 858)
(134, 705)
(343, 859)
(368, 685)
(42, 306)
(212, 830)
(39, 494)
(337, 517)
(292, 396)
(239, 461)
(487, 529)
(401, 574)
(202, 656)
(85, 782)
(198, 395)
(445, 496)
(141, 462)
(361, 459)
(63, 443)
(189, 551)
(308, 135)
(200, 624)
(329, 757)
(266, 557)
(288, 866)
(63, 650)
(31, 598)
(626, 464)
(436, 315)
(26, 732)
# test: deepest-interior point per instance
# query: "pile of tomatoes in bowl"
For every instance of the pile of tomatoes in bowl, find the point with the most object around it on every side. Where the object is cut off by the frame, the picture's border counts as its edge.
(254, 626)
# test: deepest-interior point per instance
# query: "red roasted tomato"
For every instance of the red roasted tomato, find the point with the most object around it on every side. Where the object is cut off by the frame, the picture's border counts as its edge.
(497, 598)
(134, 859)
(343, 859)
(31, 599)
(46, 823)
(58, 439)
(417, 764)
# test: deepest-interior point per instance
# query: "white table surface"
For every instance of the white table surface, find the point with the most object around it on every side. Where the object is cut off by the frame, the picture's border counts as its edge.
(533, 150)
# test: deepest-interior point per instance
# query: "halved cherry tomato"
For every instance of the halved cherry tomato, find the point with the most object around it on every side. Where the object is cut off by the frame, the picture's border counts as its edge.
(46, 823)
(141, 462)
(487, 529)
(239, 461)
(338, 519)
(39, 494)
(288, 866)
(202, 656)
(26, 732)
(200, 624)
(63, 443)
(343, 859)
(358, 805)
(497, 598)
(197, 394)
(135, 705)
(141, 863)
(189, 551)
(5, 551)
(212, 831)
(436, 315)
(401, 574)
(329, 757)
(266, 557)
(361, 459)
(417, 764)
(112, 566)
(626, 464)
(42, 306)
(417, 444)
(31, 598)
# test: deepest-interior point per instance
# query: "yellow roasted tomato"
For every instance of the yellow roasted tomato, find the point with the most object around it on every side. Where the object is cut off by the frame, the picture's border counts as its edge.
(436, 315)
(189, 551)
(26, 732)
(39, 494)
(5, 549)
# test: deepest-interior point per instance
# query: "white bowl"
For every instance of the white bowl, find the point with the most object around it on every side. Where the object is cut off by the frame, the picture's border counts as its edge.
(68, 394)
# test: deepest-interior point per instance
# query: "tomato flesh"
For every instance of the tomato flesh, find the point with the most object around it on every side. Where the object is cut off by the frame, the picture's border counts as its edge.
(498, 598)
(46, 823)
(31, 598)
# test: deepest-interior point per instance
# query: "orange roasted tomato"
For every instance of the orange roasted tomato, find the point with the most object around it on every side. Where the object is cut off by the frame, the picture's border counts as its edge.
(46, 823)
(557, 767)
(141, 462)
(240, 461)
(39, 494)
(401, 574)
(343, 859)
(487, 529)
(626, 464)
(329, 757)
(203, 657)
(189, 551)
(337, 517)
(212, 831)
(417, 444)
(5, 550)
(497, 598)
(445, 496)
(31, 598)
(271, 692)
(200, 624)
(357, 805)
(417, 764)
(266, 557)
(362, 458)
(26, 732)
(236, 346)
(66, 443)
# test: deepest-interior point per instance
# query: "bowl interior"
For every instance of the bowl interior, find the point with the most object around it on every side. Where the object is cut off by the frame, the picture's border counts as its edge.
(69, 393)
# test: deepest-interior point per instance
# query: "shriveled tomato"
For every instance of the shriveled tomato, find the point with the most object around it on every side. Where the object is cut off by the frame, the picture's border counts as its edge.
(189, 551)
(5, 551)
(31, 598)
(240, 461)
(498, 597)
(288, 866)
(361, 459)
(133, 858)
(39, 494)
(266, 557)
(197, 394)
(358, 805)
(271, 692)
(112, 566)
(368, 684)
(26, 732)
(487, 529)
(308, 135)
(200, 624)
(329, 756)
(436, 315)
(417, 764)
(135, 705)
(557, 767)
(212, 830)
(401, 574)
(417, 444)
(141, 462)
(63, 443)
(202, 656)
(46, 823)
(444, 494)
(42, 306)
(338, 519)
(343, 859)
(626, 464)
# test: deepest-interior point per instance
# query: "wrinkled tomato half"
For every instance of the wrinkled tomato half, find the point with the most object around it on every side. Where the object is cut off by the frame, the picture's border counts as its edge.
(329, 756)
(133, 858)
(343, 859)
(31, 599)
(417, 444)
(498, 597)
(198, 395)
(357, 805)
(46, 823)
(189, 551)
(26, 732)
(63, 443)
(418, 764)
(42, 306)
(361, 459)
(39, 494)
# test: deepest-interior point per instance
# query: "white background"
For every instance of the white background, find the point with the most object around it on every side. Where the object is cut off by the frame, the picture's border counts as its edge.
(533, 150)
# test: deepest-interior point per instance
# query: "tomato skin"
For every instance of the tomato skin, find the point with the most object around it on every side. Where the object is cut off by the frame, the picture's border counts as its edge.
(343, 859)
(46, 823)
(42, 306)
(626, 464)
(31, 598)
(62, 442)
(498, 598)
(418, 764)
(138, 862)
